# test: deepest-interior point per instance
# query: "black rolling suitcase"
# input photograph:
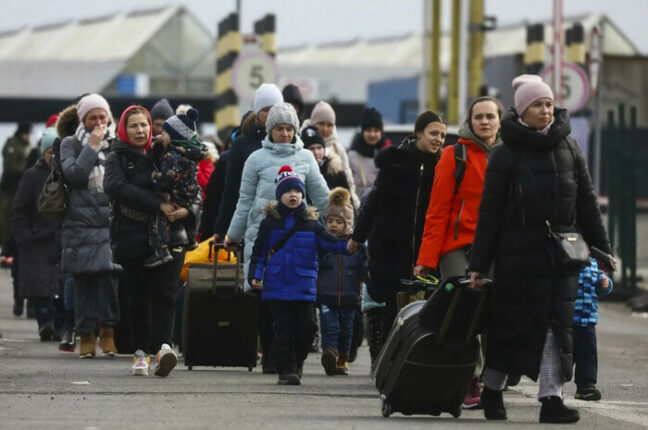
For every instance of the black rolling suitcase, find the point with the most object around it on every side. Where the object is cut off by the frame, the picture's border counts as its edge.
(419, 371)
(219, 325)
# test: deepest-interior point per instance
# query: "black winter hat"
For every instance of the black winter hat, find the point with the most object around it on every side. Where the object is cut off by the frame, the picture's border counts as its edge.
(161, 110)
(371, 118)
(311, 136)
(24, 127)
(292, 95)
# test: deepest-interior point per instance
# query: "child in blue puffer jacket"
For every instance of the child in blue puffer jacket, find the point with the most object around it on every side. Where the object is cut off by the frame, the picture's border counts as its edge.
(592, 283)
(284, 267)
(338, 286)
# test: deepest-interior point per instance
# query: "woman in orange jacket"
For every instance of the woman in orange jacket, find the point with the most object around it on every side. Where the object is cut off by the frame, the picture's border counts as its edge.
(451, 218)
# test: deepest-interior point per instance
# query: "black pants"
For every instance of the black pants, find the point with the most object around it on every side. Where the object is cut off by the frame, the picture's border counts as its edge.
(294, 328)
(585, 355)
(266, 331)
(390, 311)
(151, 301)
(374, 331)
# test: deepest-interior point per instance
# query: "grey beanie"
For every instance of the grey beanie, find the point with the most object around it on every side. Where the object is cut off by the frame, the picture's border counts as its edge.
(161, 110)
(282, 113)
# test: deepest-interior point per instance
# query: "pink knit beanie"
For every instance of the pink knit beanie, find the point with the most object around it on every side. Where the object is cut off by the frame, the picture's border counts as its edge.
(89, 102)
(322, 112)
(529, 88)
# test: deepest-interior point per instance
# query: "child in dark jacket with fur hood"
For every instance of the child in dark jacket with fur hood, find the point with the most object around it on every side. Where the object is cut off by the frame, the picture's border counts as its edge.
(338, 286)
(284, 266)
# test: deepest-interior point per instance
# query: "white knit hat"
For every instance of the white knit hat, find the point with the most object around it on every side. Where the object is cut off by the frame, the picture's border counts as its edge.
(282, 113)
(89, 102)
(266, 95)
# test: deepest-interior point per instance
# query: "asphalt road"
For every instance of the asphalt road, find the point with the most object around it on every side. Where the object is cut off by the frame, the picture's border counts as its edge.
(42, 388)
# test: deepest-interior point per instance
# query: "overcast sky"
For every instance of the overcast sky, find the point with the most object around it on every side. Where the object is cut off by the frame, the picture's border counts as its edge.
(312, 21)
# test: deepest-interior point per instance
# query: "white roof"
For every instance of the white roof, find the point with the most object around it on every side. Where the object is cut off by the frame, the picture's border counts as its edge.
(406, 50)
(112, 38)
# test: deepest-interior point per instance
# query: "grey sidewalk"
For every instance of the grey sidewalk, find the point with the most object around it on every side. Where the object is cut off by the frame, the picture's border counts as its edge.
(42, 388)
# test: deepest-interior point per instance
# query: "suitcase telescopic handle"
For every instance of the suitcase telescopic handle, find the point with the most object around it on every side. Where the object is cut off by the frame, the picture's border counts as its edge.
(237, 266)
(445, 325)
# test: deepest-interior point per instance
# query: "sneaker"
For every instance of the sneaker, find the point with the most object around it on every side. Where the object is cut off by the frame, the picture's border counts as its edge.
(141, 363)
(288, 378)
(472, 400)
(342, 365)
(159, 257)
(554, 411)
(165, 360)
(588, 393)
(68, 341)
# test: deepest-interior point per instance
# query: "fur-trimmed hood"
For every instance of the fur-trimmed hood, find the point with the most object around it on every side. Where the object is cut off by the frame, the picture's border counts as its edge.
(310, 213)
(334, 165)
(67, 122)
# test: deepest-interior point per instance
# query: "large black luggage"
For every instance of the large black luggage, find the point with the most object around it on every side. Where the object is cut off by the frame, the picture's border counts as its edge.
(419, 371)
(219, 320)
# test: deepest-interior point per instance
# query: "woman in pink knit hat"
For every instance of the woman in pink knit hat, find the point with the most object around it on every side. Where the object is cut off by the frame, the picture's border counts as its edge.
(323, 118)
(536, 181)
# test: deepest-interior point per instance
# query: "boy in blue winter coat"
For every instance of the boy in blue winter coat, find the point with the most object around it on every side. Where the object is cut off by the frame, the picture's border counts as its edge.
(592, 283)
(338, 286)
(284, 267)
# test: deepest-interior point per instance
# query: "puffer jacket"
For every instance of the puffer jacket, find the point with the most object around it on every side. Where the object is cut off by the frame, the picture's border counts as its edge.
(241, 149)
(291, 272)
(393, 215)
(85, 238)
(258, 187)
(451, 219)
(340, 277)
(128, 183)
(531, 294)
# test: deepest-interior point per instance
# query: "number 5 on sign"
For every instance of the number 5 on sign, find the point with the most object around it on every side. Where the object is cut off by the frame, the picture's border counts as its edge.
(250, 70)
(575, 86)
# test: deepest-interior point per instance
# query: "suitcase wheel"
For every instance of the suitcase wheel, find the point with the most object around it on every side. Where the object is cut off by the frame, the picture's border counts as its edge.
(249, 368)
(435, 413)
(456, 412)
(386, 408)
(190, 367)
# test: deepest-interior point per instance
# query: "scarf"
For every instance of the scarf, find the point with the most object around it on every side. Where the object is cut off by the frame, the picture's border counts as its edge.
(542, 131)
(95, 180)
(466, 132)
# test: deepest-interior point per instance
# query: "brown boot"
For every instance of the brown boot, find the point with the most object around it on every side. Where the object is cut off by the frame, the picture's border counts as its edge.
(87, 348)
(342, 364)
(329, 360)
(107, 341)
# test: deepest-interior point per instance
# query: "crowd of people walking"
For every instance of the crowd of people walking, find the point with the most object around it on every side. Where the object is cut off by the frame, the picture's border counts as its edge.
(328, 234)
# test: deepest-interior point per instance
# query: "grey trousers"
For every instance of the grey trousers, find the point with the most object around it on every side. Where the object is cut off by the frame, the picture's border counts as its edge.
(550, 380)
(95, 298)
(455, 263)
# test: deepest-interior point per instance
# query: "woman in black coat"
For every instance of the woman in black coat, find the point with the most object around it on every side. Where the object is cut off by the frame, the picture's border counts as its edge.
(151, 291)
(39, 242)
(538, 175)
(393, 215)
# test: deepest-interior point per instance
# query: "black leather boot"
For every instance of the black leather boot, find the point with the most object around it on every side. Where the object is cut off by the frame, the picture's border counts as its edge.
(493, 404)
(554, 411)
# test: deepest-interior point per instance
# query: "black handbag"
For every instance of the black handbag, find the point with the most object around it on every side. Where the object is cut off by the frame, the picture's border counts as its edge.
(568, 249)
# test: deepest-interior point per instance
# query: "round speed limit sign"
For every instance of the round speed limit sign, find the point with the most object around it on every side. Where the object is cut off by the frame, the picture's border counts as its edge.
(575, 85)
(250, 70)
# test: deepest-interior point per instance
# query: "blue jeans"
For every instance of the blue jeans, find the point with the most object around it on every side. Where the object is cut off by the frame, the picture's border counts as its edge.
(95, 298)
(336, 324)
(68, 292)
(585, 355)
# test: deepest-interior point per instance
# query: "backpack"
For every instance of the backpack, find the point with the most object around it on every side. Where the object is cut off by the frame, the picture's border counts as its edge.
(53, 198)
(460, 164)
